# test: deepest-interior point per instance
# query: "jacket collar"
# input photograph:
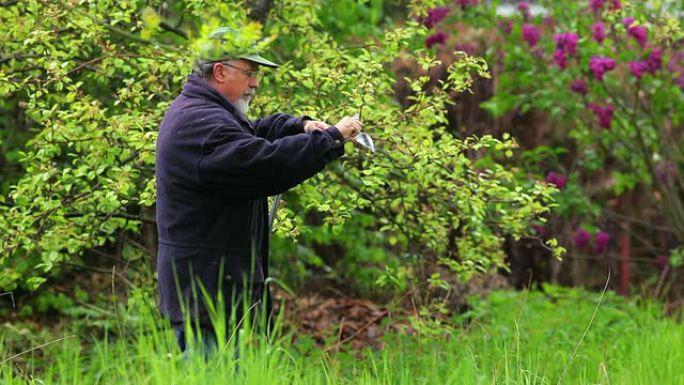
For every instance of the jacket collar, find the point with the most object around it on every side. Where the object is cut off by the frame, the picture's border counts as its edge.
(196, 87)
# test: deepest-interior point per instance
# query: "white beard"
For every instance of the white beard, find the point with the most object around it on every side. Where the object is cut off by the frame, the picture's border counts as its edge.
(242, 105)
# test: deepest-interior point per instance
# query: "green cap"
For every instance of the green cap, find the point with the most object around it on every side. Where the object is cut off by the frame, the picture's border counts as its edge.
(227, 43)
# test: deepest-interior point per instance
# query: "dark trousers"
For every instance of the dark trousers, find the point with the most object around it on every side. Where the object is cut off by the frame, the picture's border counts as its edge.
(251, 307)
(207, 345)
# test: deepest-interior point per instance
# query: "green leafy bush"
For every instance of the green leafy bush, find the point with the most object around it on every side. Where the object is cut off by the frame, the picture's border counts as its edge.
(95, 79)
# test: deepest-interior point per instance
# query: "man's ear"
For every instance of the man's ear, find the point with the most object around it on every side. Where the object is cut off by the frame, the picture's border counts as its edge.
(219, 72)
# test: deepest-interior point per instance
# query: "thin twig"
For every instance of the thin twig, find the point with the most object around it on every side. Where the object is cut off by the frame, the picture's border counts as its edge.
(237, 327)
(36, 348)
(339, 334)
(586, 331)
(609, 258)
(87, 63)
(358, 46)
(636, 220)
(369, 323)
(11, 294)
(101, 271)
(112, 215)
(661, 281)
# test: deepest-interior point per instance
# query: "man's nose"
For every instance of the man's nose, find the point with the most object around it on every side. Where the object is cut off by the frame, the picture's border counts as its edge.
(254, 82)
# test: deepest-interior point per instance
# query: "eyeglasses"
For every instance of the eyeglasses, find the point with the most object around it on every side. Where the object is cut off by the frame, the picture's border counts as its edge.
(252, 74)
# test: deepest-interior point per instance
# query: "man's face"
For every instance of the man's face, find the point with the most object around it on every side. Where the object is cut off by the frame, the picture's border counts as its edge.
(237, 81)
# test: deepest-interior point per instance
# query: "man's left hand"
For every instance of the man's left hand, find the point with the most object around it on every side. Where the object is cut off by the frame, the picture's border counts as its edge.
(314, 125)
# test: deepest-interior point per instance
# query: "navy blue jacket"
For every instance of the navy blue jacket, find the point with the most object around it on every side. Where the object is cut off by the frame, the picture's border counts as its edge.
(214, 170)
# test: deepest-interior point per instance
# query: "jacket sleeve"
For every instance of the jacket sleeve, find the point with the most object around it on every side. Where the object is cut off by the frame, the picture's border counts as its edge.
(279, 126)
(250, 167)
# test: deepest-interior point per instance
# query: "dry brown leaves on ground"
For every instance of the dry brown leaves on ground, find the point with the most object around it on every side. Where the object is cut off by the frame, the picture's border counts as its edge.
(339, 322)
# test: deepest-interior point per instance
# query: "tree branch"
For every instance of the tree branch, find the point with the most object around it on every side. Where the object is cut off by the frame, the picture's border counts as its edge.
(110, 215)
(18, 56)
(260, 9)
(168, 27)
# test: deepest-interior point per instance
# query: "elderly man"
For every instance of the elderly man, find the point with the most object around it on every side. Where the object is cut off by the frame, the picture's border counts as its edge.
(214, 170)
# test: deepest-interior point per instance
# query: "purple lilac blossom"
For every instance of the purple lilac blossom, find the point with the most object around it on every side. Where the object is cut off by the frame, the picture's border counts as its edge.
(615, 5)
(601, 242)
(524, 8)
(654, 60)
(638, 68)
(551, 177)
(651, 65)
(676, 67)
(596, 5)
(579, 86)
(468, 48)
(435, 15)
(567, 42)
(627, 21)
(679, 81)
(506, 26)
(581, 238)
(560, 181)
(539, 230)
(438, 37)
(603, 113)
(639, 33)
(531, 34)
(549, 22)
(560, 59)
(566, 45)
(465, 3)
(676, 63)
(599, 65)
(598, 32)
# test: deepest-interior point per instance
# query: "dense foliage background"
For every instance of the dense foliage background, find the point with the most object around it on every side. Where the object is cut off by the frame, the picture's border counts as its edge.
(518, 144)
(593, 92)
(570, 138)
(92, 81)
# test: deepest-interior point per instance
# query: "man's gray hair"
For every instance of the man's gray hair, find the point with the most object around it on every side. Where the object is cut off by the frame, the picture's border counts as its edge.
(204, 69)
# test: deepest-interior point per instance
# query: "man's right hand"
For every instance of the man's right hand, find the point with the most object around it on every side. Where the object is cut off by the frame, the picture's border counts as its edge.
(349, 127)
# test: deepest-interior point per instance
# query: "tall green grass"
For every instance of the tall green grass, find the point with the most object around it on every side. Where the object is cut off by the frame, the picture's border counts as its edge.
(509, 338)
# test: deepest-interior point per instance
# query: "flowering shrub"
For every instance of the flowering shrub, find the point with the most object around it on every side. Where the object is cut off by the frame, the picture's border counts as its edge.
(560, 181)
(610, 75)
(531, 34)
(581, 238)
